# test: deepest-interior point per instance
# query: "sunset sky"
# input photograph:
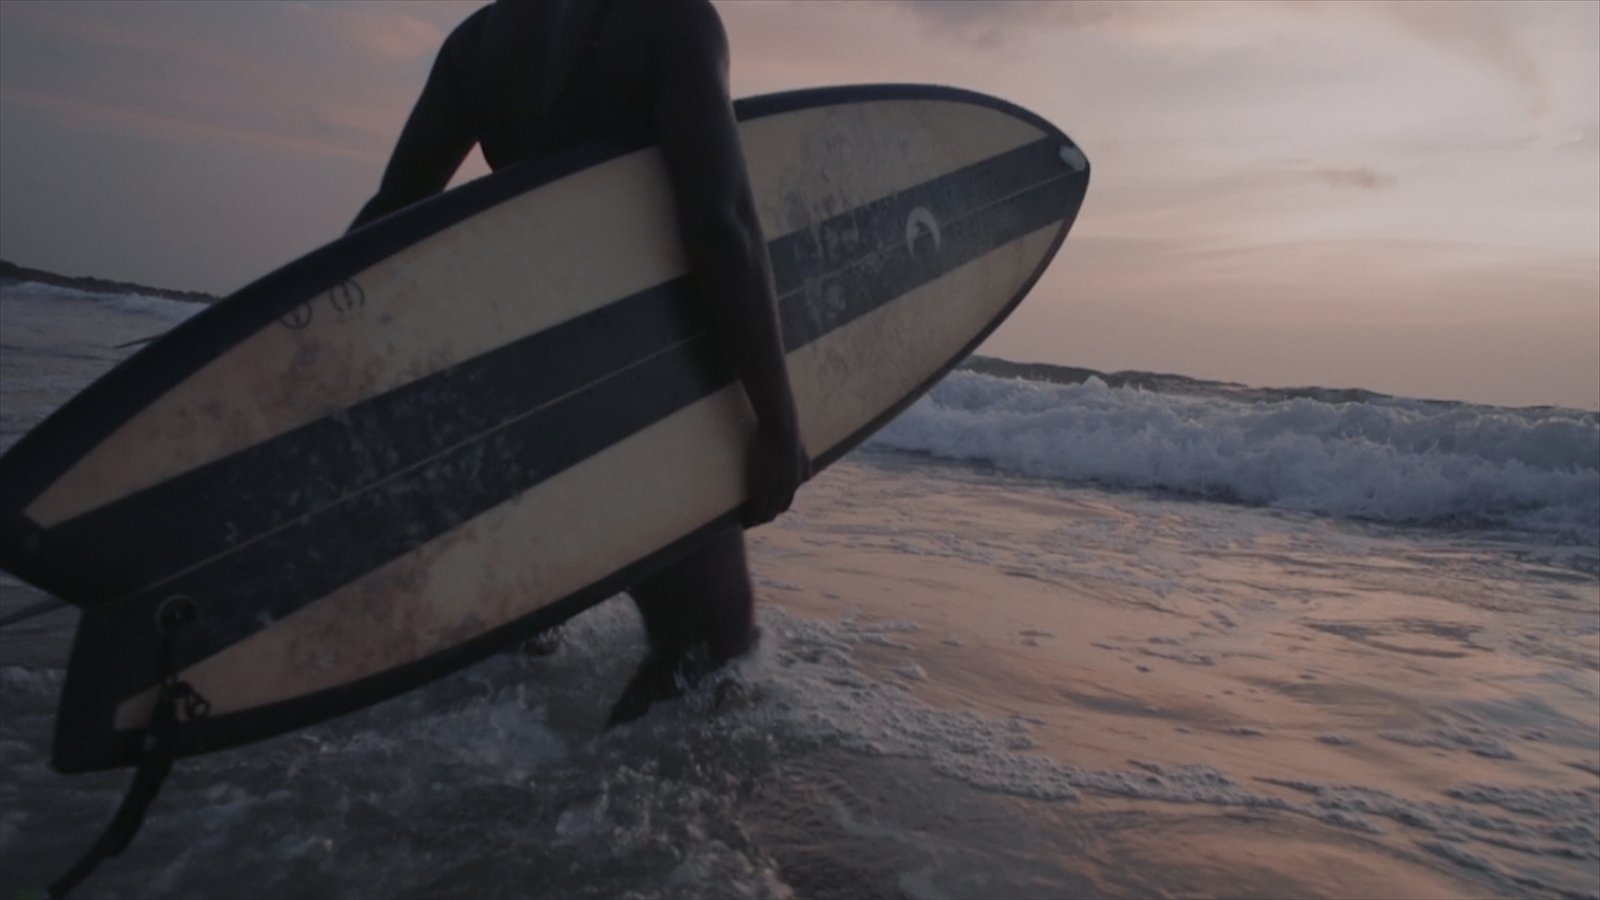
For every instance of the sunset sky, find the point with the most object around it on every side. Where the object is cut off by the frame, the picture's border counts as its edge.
(1403, 197)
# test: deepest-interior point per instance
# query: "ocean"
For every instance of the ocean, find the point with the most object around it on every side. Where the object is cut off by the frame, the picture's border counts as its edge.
(1064, 634)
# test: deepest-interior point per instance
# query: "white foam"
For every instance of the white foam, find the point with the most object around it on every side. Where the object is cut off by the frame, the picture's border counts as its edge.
(162, 308)
(1385, 459)
(649, 809)
(822, 697)
(133, 303)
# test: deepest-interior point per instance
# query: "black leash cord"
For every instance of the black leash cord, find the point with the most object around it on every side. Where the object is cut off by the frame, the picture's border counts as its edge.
(155, 756)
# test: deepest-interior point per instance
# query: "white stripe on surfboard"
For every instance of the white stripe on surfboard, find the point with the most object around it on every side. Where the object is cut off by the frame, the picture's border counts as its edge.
(892, 145)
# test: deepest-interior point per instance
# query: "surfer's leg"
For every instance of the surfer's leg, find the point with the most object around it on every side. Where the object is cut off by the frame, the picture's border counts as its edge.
(697, 614)
(704, 597)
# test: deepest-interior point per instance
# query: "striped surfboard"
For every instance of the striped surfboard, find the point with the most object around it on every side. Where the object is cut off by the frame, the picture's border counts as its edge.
(479, 416)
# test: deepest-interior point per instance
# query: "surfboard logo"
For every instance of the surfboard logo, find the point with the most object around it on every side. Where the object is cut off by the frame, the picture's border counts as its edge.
(297, 318)
(919, 221)
(347, 298)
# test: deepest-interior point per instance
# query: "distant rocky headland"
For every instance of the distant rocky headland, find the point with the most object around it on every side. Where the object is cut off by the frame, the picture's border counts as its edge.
(1053, 374)
(1163, 383)
(98, 285)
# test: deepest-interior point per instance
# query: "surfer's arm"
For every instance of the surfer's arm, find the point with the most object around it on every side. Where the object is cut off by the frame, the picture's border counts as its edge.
(727, 251)
(436, 138)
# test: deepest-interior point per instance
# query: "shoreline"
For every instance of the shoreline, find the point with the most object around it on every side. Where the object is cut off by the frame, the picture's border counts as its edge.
(14, 272)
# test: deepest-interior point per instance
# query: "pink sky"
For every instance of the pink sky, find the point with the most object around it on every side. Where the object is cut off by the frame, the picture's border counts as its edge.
(1403, 197)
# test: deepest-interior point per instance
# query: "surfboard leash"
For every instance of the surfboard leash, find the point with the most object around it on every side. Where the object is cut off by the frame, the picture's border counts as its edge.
(157, 749)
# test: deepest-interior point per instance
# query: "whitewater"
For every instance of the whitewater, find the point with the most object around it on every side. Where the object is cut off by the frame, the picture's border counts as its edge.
(1384, 459)
(1069, 634)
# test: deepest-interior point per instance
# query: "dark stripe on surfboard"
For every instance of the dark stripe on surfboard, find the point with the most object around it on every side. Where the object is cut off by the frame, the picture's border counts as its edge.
(85, 741)
(229, 502)
(830, 275)
(237, 599)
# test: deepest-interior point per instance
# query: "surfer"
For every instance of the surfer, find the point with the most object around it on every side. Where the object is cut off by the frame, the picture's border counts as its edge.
(524, 79)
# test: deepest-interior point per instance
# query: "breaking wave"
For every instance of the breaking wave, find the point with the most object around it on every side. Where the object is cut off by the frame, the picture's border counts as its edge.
(1373, 457)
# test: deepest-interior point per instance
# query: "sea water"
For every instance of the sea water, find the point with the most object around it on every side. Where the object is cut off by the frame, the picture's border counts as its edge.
(1034, 639)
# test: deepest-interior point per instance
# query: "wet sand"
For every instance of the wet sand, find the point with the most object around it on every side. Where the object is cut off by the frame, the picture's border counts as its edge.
(1422, 704)
(968, 685)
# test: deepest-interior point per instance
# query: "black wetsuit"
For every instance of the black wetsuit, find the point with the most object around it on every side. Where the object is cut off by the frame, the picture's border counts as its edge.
(524, 79)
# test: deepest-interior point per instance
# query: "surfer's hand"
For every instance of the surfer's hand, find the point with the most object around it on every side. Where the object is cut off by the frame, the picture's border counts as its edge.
(778, 465)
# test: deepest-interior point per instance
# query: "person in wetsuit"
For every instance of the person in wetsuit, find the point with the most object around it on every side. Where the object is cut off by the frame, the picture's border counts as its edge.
(524, 79)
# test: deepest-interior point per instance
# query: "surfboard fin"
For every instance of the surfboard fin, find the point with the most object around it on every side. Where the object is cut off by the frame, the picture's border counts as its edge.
(156, 753)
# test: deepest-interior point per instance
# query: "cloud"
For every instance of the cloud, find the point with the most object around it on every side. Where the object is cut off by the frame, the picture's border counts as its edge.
(1417, 318)
(159, 51)
(1362, 177)
(387, 36)
(1000, 23)
(297, 78)
(1496, 35)
(79, 113)
(1485, 33)
(993, 22)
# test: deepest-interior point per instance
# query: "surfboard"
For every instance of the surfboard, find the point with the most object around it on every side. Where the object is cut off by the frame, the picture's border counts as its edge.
(478, 416)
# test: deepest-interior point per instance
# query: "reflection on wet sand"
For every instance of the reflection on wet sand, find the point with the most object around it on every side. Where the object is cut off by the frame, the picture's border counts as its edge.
(1394, 712)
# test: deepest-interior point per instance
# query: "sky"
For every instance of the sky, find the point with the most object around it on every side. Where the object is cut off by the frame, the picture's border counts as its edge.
(1403, 197)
